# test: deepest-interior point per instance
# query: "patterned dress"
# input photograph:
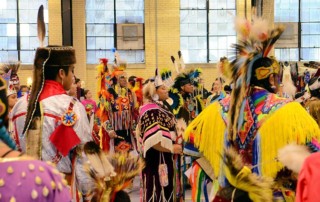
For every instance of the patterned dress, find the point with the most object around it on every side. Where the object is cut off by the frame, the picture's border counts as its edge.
(121, 118)
(157, 125)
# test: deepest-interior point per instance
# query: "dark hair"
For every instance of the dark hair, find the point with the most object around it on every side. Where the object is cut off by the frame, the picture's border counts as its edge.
(122, 196)
(23, 86)
(132, 80)
(264, 83)
(227, 88)
(51, 72)
(314, 92)
(86, 92)
(77, 80)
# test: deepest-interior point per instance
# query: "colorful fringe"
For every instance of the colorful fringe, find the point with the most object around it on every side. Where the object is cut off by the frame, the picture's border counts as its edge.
(207, 132)
(121, 120)
(290, 124)
(198, 183)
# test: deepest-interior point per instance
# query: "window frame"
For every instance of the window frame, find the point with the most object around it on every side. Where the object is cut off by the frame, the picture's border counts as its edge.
(302, 37)
(108, 52)
(20, 36)
(208, 35)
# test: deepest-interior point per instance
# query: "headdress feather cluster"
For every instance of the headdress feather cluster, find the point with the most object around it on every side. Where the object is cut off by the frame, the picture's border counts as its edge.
(256, 39)
(178, 65)
(126, 168)
(241, 177)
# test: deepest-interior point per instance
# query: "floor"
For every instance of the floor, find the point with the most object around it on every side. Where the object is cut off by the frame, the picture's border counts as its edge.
(135, 195)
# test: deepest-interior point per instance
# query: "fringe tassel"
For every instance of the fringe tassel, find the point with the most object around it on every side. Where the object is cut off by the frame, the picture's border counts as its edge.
(290, 124)
(155, 139)
(207, 130)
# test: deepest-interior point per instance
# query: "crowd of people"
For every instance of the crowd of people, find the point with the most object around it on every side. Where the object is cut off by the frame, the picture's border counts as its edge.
(58, 144)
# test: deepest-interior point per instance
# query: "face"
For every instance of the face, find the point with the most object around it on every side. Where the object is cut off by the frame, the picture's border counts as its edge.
(187, 88)
(17, 86)
(89, 95)
(12, 100)
(67, 80)
(24, 89)
(79, 84)
(162, 92)
(73, 90)
(217, 86)
(123, 82)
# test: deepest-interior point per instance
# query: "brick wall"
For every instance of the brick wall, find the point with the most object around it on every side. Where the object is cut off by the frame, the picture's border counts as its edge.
(168, 31)
(79, 37)
(55, 23)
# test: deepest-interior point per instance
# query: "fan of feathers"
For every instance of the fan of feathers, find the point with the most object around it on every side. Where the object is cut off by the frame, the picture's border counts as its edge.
(112, 176)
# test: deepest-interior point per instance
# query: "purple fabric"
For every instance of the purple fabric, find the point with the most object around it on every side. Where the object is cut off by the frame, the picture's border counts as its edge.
(19, 179)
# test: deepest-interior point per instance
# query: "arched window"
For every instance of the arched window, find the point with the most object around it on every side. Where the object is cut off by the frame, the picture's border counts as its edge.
(18, 29)
(301, 39)
(104, 20)
(206, 29)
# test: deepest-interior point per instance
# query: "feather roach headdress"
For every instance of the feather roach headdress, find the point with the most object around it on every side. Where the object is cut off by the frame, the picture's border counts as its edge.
(183, 77)
(166, 76)
(192, 77)
(256, 39)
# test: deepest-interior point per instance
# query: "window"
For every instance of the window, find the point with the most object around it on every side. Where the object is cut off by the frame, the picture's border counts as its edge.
(18, 29)
(101, 19)
(304, 15)
(206, 29)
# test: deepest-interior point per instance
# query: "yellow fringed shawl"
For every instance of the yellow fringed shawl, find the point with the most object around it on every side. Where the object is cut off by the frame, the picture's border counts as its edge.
(208, 130)
(290, 124)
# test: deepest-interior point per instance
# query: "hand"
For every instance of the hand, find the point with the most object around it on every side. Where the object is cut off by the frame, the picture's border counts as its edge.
(177, 149)
(112, 134)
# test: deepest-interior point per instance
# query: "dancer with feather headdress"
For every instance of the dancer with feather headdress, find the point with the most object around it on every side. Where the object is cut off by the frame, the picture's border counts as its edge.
(52, 125)
(101, 114)
(12, 97)
(158, 144)
(254, 120)
(187, 102)
(120, 103)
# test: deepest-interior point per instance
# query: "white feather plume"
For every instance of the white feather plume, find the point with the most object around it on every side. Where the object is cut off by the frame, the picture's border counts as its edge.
(292, 156)
(288, 86)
